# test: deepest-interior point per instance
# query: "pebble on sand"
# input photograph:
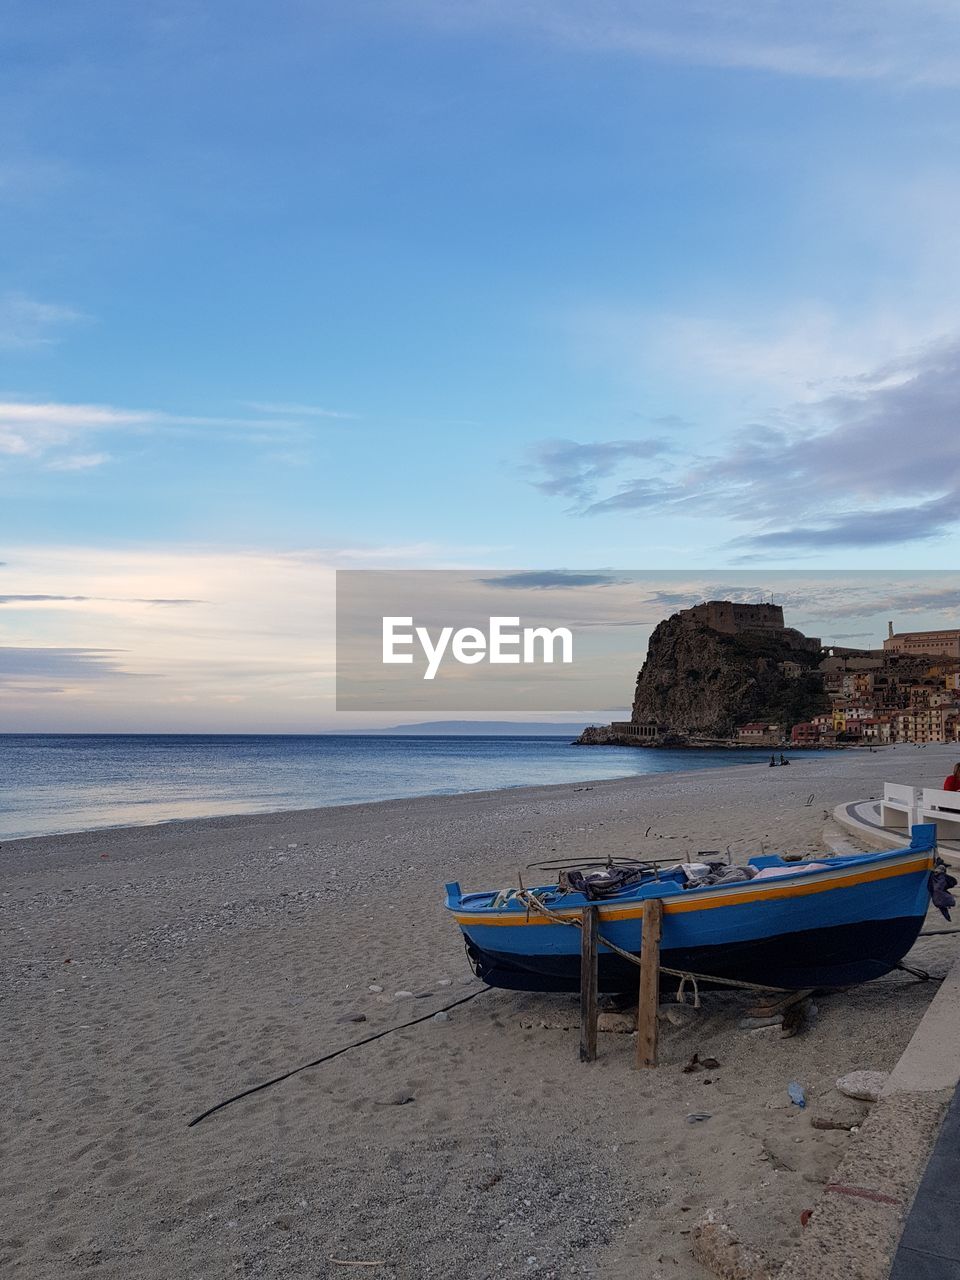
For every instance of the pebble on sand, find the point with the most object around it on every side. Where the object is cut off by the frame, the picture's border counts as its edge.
(717, 1248)
(865, 1085)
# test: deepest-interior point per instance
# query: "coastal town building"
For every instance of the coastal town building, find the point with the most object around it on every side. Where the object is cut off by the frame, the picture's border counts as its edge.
(944, 642)
(852, 713)
(805, 734)
(760, 734)
(928, 724)
(878, 731)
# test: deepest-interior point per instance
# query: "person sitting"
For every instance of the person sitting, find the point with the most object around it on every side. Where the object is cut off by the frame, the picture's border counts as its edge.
(952, 783)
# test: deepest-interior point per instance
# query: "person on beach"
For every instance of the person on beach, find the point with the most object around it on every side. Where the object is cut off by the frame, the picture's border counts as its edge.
(952, 782)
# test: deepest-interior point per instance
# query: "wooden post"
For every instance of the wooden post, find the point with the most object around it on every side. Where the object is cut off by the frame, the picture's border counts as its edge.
(647, 1029)
(588, 984)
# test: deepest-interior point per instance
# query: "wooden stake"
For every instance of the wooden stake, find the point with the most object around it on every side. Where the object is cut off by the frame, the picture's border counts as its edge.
(588, 984)
(647, 1028)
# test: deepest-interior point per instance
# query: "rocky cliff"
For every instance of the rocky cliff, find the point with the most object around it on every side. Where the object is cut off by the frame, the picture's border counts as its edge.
(698, 682)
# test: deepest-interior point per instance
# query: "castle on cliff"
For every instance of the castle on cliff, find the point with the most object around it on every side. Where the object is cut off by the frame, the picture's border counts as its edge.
(733, 619)
(713, 666)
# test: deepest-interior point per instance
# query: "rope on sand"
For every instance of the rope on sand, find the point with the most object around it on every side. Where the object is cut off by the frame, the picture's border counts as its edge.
(335, 1054)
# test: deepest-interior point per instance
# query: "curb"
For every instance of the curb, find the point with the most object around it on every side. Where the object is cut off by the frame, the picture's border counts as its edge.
(859, 1218)
(862, 819)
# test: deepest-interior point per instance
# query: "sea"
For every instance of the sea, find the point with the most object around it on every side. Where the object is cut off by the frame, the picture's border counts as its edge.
(54, 783)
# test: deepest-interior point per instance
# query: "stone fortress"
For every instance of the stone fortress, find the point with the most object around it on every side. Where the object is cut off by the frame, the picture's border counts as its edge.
(733, 619)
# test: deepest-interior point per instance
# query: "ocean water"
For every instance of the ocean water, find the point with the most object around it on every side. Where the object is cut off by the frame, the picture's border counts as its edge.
(55, 783)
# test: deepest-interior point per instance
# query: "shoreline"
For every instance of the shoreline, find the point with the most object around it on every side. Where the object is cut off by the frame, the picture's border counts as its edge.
(253, 815)
(507, 788)
(361, 805)
(529, 793)
(201, 957)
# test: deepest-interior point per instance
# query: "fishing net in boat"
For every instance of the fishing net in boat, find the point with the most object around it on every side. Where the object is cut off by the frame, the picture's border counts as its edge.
(701, 873)
(601, 882)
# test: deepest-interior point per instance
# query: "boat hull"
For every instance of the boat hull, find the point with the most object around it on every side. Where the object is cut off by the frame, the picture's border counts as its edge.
(839, 956)
(831, 924)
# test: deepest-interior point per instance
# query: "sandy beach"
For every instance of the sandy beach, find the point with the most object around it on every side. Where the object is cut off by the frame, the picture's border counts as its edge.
(150, 972)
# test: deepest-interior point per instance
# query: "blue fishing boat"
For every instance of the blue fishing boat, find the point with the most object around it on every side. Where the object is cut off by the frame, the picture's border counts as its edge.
(842, 920)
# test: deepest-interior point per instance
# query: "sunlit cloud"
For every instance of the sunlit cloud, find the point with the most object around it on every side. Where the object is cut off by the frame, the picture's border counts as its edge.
(244, 637)
(216, 640)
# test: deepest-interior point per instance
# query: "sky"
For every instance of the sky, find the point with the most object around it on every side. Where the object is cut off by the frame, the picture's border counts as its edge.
(505, 284)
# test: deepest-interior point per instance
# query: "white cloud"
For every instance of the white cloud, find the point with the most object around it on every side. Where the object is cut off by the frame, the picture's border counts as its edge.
(78, 461)
(31, 431)
(199, 624)
(297, 410)
(244, 637)
(58, 434)
(26, 323)
(799, 352)
(882, 39)
(875, 462)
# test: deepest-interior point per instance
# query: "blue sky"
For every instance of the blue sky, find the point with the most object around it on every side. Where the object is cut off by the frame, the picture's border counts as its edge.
(451, 284)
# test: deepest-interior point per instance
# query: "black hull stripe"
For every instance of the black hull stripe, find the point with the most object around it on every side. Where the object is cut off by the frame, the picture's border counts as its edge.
(832, 957)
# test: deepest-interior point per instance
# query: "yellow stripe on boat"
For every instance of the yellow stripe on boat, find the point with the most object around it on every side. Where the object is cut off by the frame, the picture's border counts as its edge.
(733, 895)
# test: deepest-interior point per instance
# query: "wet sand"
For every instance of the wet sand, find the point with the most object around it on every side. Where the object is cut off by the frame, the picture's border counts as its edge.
(150, 972)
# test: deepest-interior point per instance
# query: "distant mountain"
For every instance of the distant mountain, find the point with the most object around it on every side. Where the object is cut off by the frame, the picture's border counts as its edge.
(478, 728)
